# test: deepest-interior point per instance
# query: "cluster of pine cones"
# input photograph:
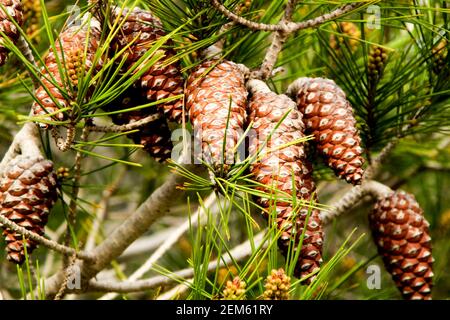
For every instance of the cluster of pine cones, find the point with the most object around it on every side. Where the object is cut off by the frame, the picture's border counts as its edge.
(221, 104)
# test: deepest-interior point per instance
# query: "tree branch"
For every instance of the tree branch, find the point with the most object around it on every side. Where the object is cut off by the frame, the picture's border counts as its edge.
(67, 251)
(315, 22)
(170, 241)
(351, 198)
(238, 253)
(72, 215)
(242, 21)
(132, 228)
(125, 127)
(289, 27)
(26, 141)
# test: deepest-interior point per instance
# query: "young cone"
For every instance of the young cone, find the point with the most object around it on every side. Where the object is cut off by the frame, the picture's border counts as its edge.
(329, 117)
(377, 61)
(14, 9)
(401, 234)
(216, 99)
(277, 164)
(76, 59)
(154, 136)
(234, 290)
(277, 285)
(137, 34)
(28, 191)
(349, 36)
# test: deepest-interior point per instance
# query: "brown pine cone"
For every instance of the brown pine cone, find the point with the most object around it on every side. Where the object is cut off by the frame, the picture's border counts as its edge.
(14, 9)
(71, 55)
(139, 32)
(215, 96)
(277, 167)
(28, 191)
(154, 136)
(329, 117)
(401, 234)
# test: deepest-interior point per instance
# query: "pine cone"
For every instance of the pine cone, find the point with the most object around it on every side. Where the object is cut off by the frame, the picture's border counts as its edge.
(213, 100)
(234, 290)
(139, 31)
(27, 194)
(72, 53)
(401, 234)
(277, 286)
(277, 168)
(350, 35)
(329, 117)
(13, 8)
(154, 136)
(377, 61)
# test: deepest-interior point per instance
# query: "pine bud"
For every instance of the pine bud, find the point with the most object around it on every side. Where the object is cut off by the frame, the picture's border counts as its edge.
(234, 290)
(376, 63)
(277, 285)
(349, 35)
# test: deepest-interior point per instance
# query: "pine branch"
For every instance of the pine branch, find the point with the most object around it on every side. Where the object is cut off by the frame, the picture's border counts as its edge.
(53, 245)
(238, 253)
(72, 215)
(170, 241)
(126, 127)
(290, 27)
(177, 290)
(64, 144)
(353, 197)
(156, 205)
(26, 141)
